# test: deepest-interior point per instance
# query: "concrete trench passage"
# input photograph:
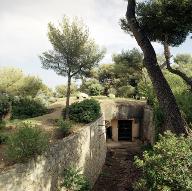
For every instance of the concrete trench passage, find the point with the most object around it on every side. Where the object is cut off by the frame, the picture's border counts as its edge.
(119, 172)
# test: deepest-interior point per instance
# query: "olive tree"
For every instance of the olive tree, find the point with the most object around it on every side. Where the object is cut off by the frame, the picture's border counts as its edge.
(74, 53)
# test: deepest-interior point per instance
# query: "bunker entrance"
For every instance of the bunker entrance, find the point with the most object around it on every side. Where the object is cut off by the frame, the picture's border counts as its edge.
(125, 130)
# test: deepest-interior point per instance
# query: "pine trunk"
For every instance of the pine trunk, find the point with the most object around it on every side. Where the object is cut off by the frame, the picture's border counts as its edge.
(68, 97)
(167, 54)
(174, 120)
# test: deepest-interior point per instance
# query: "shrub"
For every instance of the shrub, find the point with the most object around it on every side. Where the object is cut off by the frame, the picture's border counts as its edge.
(2, 124)
(27, 142)
(126, 91)
(184, 100)
(5, 106)
(64, 128)
(3, 137)
(168, 166)
(92, 87)
(27, 107)
(74, 180)
(85, 111)
(61, 90)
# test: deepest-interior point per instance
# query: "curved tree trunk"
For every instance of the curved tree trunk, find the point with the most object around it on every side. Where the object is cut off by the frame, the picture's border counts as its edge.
(174, 120)
(175, 71)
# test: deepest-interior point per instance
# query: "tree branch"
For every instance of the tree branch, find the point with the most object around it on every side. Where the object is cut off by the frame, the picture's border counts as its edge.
(172, 70)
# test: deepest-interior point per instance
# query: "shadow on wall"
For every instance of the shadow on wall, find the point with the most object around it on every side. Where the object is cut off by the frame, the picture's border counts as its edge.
(85, 150)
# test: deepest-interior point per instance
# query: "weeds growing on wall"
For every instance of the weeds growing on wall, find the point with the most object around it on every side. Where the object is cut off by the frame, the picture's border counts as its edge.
(74, 180)
(64, 128)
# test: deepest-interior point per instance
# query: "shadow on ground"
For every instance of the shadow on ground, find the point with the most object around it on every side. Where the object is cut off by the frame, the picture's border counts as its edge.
(119, 172)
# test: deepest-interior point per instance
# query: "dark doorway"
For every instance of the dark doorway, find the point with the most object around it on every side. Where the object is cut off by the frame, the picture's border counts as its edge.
(109, 132)
(125, 130)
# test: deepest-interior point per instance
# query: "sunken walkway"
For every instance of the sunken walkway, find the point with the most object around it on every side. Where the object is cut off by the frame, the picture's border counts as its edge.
(119, 172)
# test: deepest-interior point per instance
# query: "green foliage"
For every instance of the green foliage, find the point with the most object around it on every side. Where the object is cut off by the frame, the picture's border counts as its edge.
(159, 119)
(73, 50)
(74, 180)
(26, 107)
(3, 137)
(2, 124)
(64, 128)
(182, 59)
(74, 53)
(178, 86)
(5, 106)
(92, 87)
(85, 111)
(15, 83)
(168, 166)
(126, 91)
(129, 63)
(161, 19)
(61, 90)
(184, 100)
(145, 88)
(27, 142)
(128, 68)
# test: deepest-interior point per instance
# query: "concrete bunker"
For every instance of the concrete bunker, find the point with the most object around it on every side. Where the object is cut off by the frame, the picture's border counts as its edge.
(130, 122)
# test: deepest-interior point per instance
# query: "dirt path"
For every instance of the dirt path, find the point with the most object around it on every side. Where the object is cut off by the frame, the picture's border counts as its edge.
(118, 173)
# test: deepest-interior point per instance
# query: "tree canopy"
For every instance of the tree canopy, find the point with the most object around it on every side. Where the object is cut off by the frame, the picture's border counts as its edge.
(14, 82)
(74, 53)
(168, 22)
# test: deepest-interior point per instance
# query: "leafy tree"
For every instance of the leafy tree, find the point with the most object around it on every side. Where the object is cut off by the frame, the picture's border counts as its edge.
(183, 59)
(174, 120)
(168, 22)
(92, 87)
(126, 91)
(106, 76)
(9, 77)
(73, 54)
(61, 90)
(128, 68)
(30, 86)
(15, 83)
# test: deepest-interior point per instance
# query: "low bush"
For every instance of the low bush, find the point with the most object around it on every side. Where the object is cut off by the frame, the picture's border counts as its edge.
(92, 87)
(2, 124)
(167, 167)
(64, 128)
(5, 106)
(184, 100)
(3, 137)
(85, 111)
(27, 107)
(74, 180)
(27, 142)
(126, 91)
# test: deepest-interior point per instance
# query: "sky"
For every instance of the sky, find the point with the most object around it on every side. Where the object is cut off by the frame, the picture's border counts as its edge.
(23, 31)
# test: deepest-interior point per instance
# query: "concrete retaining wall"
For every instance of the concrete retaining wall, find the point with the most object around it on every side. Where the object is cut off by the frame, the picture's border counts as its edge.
(85, 149)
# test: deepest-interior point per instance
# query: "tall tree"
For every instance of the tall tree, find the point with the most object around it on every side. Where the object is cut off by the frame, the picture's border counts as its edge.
(128, 66)
(168, 22)
(174, 120)
(73, 54)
